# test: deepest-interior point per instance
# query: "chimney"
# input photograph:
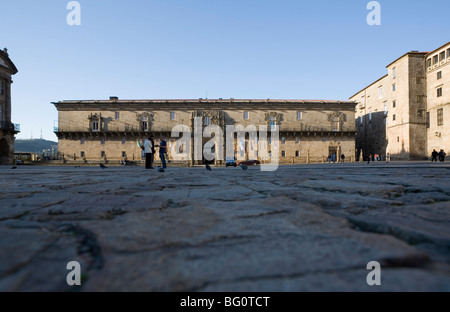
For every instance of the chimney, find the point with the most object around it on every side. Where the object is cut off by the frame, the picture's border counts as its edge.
(113, 98)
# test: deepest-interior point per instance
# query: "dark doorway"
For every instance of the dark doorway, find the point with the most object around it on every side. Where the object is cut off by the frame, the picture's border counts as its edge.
(4, 152)
(332, 151)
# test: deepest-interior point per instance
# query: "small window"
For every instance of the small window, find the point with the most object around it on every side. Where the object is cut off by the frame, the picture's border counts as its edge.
(172, 115)
(394, 104)
(363, 102)
(82, 141)
(124, 141)
(144, 126)
(124, 154)
(441, 56)
(82, 154)
(435, 59)
(370, 115)
(297, 153)
(361, 118)
(394, 117)
(94, 126)
(299, 115)
(283, 153)
(246, 115)
(439, 75)
(117, 115)
(283, 140)
(394, 87)
(439, 92)
(385, 108)
(102, 154)
(398, 139)
(428, 119)
(335, 125)
(103, 140)
(272, 125)
(429, 62)
(207, 121)
(394, 72)
(440, 117)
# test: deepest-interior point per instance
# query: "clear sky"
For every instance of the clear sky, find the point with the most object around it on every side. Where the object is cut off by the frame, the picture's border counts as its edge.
(158, 49)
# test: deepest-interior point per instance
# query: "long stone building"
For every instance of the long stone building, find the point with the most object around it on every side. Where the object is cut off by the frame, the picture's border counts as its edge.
(405, 114)
(109, 130)
(7, 129)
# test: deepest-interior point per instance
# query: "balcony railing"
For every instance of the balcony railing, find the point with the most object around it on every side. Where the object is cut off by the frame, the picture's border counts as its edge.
(6, 125)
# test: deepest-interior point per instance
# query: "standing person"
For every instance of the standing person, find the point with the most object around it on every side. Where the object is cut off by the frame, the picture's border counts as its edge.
(342, 158)
(163, 151)
(329, 159)
(442, 155)
(370, 157)
(434, 156)
(149, 150)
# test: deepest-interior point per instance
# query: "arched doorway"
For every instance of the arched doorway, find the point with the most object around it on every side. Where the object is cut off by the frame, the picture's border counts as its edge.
(4, 152)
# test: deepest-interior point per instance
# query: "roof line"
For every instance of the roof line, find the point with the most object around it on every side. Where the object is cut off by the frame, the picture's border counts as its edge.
(438, 48)
(369, 86)
(407, 53)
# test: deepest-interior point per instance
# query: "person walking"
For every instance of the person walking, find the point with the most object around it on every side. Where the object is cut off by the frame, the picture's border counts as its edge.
(163, 151)
(434, 156)
(442, 155)
(342, 158)
(149, 150)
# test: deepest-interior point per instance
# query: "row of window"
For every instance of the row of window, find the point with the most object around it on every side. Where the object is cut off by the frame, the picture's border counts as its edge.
(380, 90)
(124, 140)
(419, 98)
(438, 58)
(246, 116)
(394, 87)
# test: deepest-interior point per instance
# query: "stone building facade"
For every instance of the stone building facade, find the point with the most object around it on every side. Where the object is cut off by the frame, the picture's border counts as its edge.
(438, 95)
(109, 130)
(7, 129)
(397, 115)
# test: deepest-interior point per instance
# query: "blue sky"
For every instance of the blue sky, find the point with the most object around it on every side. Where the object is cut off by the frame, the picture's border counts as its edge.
(153, 49)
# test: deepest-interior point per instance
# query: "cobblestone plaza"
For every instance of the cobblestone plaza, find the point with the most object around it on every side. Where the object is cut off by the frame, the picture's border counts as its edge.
(300, 228)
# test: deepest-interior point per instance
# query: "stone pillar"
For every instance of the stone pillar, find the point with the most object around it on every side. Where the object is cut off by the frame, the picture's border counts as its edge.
(7, 112)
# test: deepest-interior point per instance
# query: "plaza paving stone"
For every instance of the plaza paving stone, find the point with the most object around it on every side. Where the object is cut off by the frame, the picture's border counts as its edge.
(300, 228)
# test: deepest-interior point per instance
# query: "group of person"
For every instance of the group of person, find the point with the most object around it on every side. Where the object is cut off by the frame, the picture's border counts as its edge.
(149, 148)
(332, 158)
(441, 154)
